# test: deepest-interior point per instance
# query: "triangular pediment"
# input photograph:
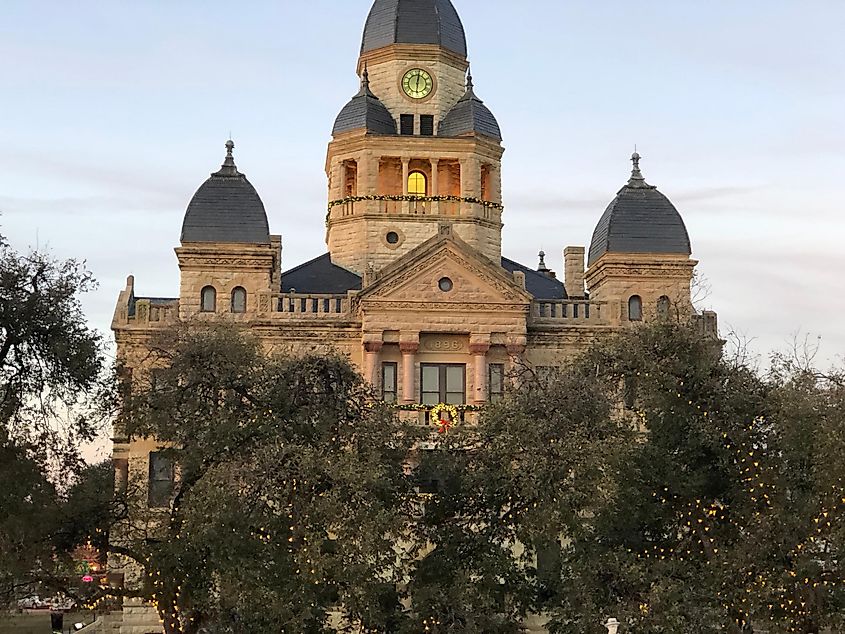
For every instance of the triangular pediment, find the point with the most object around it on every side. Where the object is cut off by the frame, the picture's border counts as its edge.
(420, 277)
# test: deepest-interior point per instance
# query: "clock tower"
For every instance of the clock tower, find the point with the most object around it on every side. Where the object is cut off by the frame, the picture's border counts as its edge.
(415, 147)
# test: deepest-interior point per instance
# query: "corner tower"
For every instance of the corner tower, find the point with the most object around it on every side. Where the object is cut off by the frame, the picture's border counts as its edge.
(415, 147)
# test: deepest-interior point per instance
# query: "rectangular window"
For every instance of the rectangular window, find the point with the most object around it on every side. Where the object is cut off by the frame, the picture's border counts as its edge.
(161, 481)
(388, 382)
(426, 125)
(443, 383)
(406, 124)
(496, 382)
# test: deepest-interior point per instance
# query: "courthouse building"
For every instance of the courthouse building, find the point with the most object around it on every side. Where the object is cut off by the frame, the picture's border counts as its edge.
(414, 286)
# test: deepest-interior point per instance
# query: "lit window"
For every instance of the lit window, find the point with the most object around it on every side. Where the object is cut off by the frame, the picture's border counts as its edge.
(239, 300)
(208, 300)
(416, 184)
(388, 382)
(635, 308)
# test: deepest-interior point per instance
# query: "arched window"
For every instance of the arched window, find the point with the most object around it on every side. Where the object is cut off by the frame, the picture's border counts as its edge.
(208, 300)
(238, 300)
(416, 184)
(664, 305)
(635, 308)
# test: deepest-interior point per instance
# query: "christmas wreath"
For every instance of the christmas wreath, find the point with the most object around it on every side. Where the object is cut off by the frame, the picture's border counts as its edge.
(442, 423)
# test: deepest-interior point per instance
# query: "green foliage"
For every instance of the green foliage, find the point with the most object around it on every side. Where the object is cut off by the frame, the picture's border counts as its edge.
(50, 360)
(290, 499)
(51, 366)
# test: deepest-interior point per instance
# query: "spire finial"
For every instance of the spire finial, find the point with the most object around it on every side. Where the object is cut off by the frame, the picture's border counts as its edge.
(542, 267)
(637, 179)
(228, 168)
(365, 78)
(469, 79)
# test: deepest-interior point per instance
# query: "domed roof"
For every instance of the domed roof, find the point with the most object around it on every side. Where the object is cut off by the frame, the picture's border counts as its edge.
(640, 220)
(414, 22)
(366, 111)
(226, 208)
(468, 116)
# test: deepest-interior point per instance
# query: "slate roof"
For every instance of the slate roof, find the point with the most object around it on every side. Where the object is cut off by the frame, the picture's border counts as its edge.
(468, 116)
(414, 22)
(640, 220)
(226, 208)
(320, 277)
(539, 285)
(366, 111)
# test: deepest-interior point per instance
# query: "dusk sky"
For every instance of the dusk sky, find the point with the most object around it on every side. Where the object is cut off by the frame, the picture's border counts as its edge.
(114, 112)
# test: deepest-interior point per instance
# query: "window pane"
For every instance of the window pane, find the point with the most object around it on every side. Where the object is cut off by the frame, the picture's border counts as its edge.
(497, 381)
(430, 398)
(455, 378)
(455, 398)
(239, 300)
(160, 480)
(416, 184)
(388, 382)
(209, 299)
(635, 308)
(431, 378)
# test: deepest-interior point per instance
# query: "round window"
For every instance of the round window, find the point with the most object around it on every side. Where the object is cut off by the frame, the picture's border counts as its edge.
(392, 238)
(445, 284)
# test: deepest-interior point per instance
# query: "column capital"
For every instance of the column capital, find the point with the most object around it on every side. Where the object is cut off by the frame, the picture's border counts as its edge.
(409, 347)
(479, 348)
(373, 346)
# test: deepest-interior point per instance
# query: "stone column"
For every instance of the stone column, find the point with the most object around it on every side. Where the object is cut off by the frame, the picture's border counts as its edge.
(435, 177)
(479, 352)
(406, 172)
(470, 178)
(371, 357)
(409, 351)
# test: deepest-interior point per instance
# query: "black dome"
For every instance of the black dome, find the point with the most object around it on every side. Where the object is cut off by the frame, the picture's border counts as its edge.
(469, 116)
(640, 220)
(414, 22)
(366, 111)
(226, 208)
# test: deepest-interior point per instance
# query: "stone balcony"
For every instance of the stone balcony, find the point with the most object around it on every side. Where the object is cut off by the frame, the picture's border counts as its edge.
(440, 206)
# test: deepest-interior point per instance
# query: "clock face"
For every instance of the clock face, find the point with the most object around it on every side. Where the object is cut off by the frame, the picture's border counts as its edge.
(417, 83)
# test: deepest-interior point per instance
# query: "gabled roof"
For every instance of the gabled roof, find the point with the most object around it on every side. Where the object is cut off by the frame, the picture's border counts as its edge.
(414, 22)
(320, 277)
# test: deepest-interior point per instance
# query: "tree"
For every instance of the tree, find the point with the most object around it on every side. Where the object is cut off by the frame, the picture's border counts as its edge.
(290, 497)
(51, 364)
(652, 480)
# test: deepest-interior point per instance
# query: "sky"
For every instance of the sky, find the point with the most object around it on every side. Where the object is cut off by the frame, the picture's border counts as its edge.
(113, 112)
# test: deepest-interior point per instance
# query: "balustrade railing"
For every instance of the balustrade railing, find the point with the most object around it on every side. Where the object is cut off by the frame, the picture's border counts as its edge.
(452, 206)
(567, 310)
(311, 304)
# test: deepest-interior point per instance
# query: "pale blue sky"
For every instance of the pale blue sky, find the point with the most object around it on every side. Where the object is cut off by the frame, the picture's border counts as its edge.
(114, 112)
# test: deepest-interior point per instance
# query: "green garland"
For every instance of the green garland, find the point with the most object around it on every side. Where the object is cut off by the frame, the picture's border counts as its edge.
(418, 407)
(458, 199)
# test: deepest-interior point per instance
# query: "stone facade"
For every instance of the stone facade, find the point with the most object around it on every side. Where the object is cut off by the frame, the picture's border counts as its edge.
(433, 288)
